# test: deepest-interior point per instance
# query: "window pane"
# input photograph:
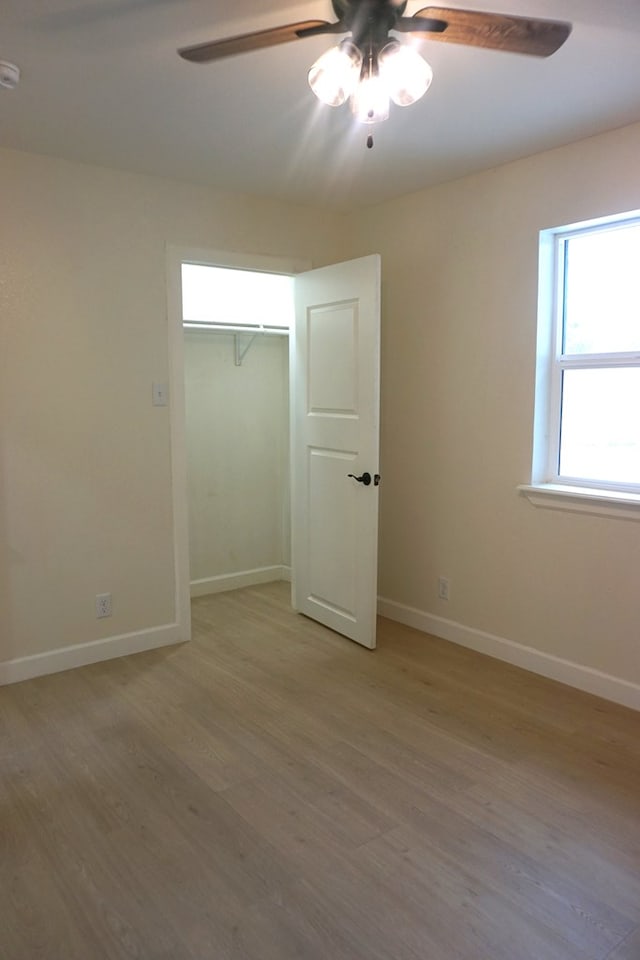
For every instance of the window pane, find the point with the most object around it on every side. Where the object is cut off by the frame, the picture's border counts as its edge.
(602, 291)
(601, 425)
(220, 295)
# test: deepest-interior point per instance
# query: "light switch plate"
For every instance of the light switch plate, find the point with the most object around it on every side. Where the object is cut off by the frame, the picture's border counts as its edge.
(160, 394)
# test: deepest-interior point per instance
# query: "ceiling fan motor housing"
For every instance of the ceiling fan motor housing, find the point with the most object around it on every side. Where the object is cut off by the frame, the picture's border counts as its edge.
(369, 21)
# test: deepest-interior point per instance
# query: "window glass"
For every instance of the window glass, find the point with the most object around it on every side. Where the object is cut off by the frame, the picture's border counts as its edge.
(235, 297)
(600, 435)
(602, 291)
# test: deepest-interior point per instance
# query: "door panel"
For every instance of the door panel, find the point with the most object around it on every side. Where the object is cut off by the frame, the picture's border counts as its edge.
(333, 372)
(336, 424)
(331, 522)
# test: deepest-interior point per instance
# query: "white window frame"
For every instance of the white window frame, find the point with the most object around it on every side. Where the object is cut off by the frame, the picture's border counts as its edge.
(548, 487)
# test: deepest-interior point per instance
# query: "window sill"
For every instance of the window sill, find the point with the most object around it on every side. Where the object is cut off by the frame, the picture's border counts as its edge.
(599, 503)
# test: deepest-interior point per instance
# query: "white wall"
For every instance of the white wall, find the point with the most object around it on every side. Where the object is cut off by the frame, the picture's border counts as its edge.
(237, 421)
(85, 484)
(458, 361)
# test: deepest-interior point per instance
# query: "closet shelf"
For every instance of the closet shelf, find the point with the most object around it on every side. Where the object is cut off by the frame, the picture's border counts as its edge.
(249, 330)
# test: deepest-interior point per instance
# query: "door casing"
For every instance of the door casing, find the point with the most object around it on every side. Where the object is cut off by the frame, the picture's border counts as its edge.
(175, 257)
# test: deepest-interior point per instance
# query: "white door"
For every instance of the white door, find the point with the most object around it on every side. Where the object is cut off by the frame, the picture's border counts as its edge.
(335, 435)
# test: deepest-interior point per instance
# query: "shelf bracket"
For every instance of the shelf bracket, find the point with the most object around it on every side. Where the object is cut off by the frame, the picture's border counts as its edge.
(241, 351)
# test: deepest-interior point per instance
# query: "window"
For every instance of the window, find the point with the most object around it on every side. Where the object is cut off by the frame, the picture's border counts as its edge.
(587, 432)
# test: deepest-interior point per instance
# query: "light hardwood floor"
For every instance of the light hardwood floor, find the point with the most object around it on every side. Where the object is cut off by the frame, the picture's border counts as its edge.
(272, 791)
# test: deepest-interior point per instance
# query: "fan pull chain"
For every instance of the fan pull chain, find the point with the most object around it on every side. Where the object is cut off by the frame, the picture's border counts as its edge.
(371, 114)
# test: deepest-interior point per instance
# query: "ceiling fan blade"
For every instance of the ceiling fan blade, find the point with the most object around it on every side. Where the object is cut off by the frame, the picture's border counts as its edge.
(496, 31)
(228, 47)
(422, 25)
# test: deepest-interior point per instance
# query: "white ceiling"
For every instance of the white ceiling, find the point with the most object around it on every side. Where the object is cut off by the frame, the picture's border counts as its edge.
(102, 83)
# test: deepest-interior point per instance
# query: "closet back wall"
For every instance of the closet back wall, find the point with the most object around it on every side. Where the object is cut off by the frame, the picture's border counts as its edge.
(237, 431)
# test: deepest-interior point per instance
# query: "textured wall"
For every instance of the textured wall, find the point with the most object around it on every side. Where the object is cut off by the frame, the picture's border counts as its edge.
(459, 340)
(85, 472)
(237, 454)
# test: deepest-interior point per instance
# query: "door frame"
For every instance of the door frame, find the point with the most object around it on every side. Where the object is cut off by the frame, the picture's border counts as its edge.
(176, 255)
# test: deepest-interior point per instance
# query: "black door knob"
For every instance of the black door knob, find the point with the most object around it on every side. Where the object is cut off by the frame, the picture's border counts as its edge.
(365, 478)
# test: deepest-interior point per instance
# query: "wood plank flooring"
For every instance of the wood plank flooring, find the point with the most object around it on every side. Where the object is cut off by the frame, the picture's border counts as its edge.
(272, 791)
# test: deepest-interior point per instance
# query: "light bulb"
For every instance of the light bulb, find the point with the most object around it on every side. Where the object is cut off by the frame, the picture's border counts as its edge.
(370, 101)
(407, 76)
(334, 75)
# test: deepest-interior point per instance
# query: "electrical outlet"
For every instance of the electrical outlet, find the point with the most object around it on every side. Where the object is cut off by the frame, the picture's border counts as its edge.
(103, 605)
(443, 588)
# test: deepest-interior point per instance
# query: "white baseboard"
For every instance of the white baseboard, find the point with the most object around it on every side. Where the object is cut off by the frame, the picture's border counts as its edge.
(244, 578)
(81, 654)
(555, 668)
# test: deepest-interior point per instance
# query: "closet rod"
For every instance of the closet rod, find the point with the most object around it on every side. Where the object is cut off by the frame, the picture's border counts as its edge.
(236, 328)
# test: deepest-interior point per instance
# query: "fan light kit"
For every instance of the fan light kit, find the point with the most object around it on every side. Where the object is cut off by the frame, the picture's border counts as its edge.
(371, 78)
(372, 68)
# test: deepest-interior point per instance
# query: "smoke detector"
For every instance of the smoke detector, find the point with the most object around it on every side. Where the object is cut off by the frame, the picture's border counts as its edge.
(9, 75)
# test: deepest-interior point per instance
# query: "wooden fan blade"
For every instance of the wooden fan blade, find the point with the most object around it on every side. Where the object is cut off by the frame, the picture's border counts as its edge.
(217, 49)
(423, 25)
(496, 31)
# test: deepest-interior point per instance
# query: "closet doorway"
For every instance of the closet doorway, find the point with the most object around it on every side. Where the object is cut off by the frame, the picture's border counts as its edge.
(230, 317)
(331, 388)
(236, 382)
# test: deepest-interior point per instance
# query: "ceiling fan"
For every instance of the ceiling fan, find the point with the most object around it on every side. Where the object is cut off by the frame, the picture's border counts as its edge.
(371, 67)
